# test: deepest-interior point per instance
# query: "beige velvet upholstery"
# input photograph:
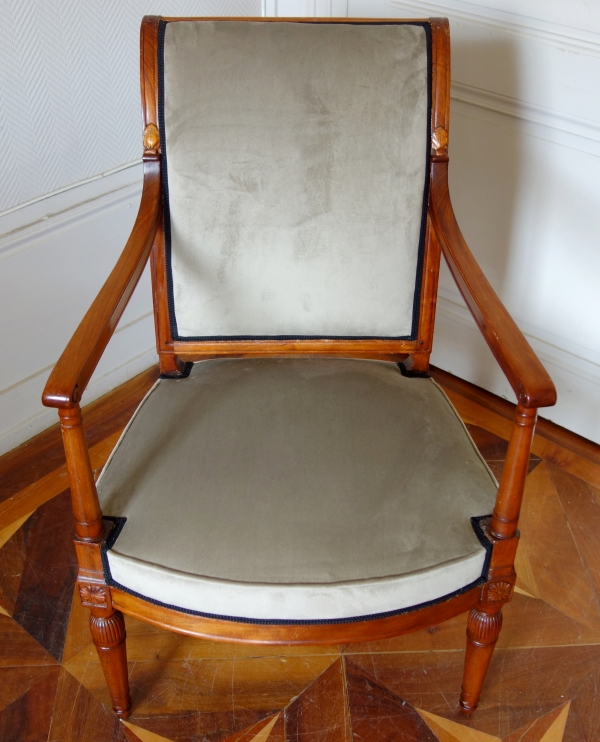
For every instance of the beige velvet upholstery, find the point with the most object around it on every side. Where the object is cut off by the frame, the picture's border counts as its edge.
(296, 161)
(304, 489)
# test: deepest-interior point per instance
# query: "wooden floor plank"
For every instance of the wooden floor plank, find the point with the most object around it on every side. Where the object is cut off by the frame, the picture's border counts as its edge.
(49, 572)
(16, 681)
(581, 505)
(51, 485)
(522, 684)
(258, 732)
(450, 731)
(586, 707)
(534, 732)
(161, 687)
(548, 558)
(12, 564)
(142, 735)
(79, 717)
(378, 715)
(27, 719)
(320, 713)
(18, 648)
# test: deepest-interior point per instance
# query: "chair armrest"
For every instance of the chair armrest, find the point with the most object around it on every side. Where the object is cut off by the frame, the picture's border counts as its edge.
(79, 359)
(526, 375)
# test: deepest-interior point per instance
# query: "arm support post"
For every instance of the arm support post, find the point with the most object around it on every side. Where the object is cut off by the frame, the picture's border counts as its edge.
(72, 372)
(526, 375)
(505, 519)
(86, 508)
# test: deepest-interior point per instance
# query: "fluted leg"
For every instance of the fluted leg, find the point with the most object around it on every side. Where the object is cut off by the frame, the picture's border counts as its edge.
(108, 634)
(483, 629)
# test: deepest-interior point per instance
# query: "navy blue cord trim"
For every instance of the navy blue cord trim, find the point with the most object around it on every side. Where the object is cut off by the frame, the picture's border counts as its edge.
(167, 217)
(162, 25)
(421, 253)
(217, 338)
(120, 522)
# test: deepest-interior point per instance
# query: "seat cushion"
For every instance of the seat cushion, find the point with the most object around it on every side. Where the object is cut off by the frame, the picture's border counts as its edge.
(296, 489)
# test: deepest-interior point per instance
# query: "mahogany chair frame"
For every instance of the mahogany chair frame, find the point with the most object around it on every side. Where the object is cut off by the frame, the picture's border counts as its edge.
(527, 377)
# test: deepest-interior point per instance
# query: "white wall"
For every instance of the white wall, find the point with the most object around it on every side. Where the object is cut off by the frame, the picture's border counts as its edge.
(525, 175)
(69, 112)
(525, 183)
(69, 76)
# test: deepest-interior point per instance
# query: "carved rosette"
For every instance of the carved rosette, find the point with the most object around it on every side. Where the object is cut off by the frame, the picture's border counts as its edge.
(93, 596)
(107, 632)
(484, 628)
(439, 141)
(499, 592)
(151, 138)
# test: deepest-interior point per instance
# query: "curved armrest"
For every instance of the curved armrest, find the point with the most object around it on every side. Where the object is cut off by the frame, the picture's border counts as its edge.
(526, 375)
(79, 359)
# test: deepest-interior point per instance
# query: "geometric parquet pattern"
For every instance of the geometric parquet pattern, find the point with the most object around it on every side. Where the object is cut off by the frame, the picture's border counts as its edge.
(543, 684)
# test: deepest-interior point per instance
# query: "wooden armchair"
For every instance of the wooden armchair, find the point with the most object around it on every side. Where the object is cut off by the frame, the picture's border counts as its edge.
(295, 476)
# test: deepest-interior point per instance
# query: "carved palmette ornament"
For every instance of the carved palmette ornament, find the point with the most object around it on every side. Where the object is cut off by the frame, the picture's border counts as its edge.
(151, 137)
(439, 141)
(93, 595)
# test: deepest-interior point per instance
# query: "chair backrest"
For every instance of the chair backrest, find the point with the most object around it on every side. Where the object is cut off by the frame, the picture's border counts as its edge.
(295, 170)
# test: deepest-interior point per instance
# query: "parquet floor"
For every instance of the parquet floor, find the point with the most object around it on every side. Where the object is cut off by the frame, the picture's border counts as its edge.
(543, 685)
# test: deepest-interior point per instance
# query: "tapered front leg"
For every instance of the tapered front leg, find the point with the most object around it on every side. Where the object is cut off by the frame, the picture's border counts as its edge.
(108, 634)
(483, 630)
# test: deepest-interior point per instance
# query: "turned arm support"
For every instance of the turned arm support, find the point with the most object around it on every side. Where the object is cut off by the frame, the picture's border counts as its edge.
(74, 368)
(526, 375)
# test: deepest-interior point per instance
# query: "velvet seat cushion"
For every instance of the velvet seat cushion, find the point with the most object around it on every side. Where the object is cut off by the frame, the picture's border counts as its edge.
(296, 489)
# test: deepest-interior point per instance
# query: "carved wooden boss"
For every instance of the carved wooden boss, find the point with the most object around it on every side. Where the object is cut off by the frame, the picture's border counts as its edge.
(290, 259)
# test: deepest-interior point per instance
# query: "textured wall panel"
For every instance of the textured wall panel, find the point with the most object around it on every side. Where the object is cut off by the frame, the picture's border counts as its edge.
(69, 87)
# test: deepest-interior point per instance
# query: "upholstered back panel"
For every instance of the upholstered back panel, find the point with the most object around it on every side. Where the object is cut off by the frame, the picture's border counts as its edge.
(295, 172)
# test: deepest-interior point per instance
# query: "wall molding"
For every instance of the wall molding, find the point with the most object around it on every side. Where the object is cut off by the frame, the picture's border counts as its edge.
(570, 358)
(459, 348)
(72, 219)
(26, 396)
(57, 224)
(67, 209)
(524, 27)
(304, 8)
(524, 111)
(70, 187)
